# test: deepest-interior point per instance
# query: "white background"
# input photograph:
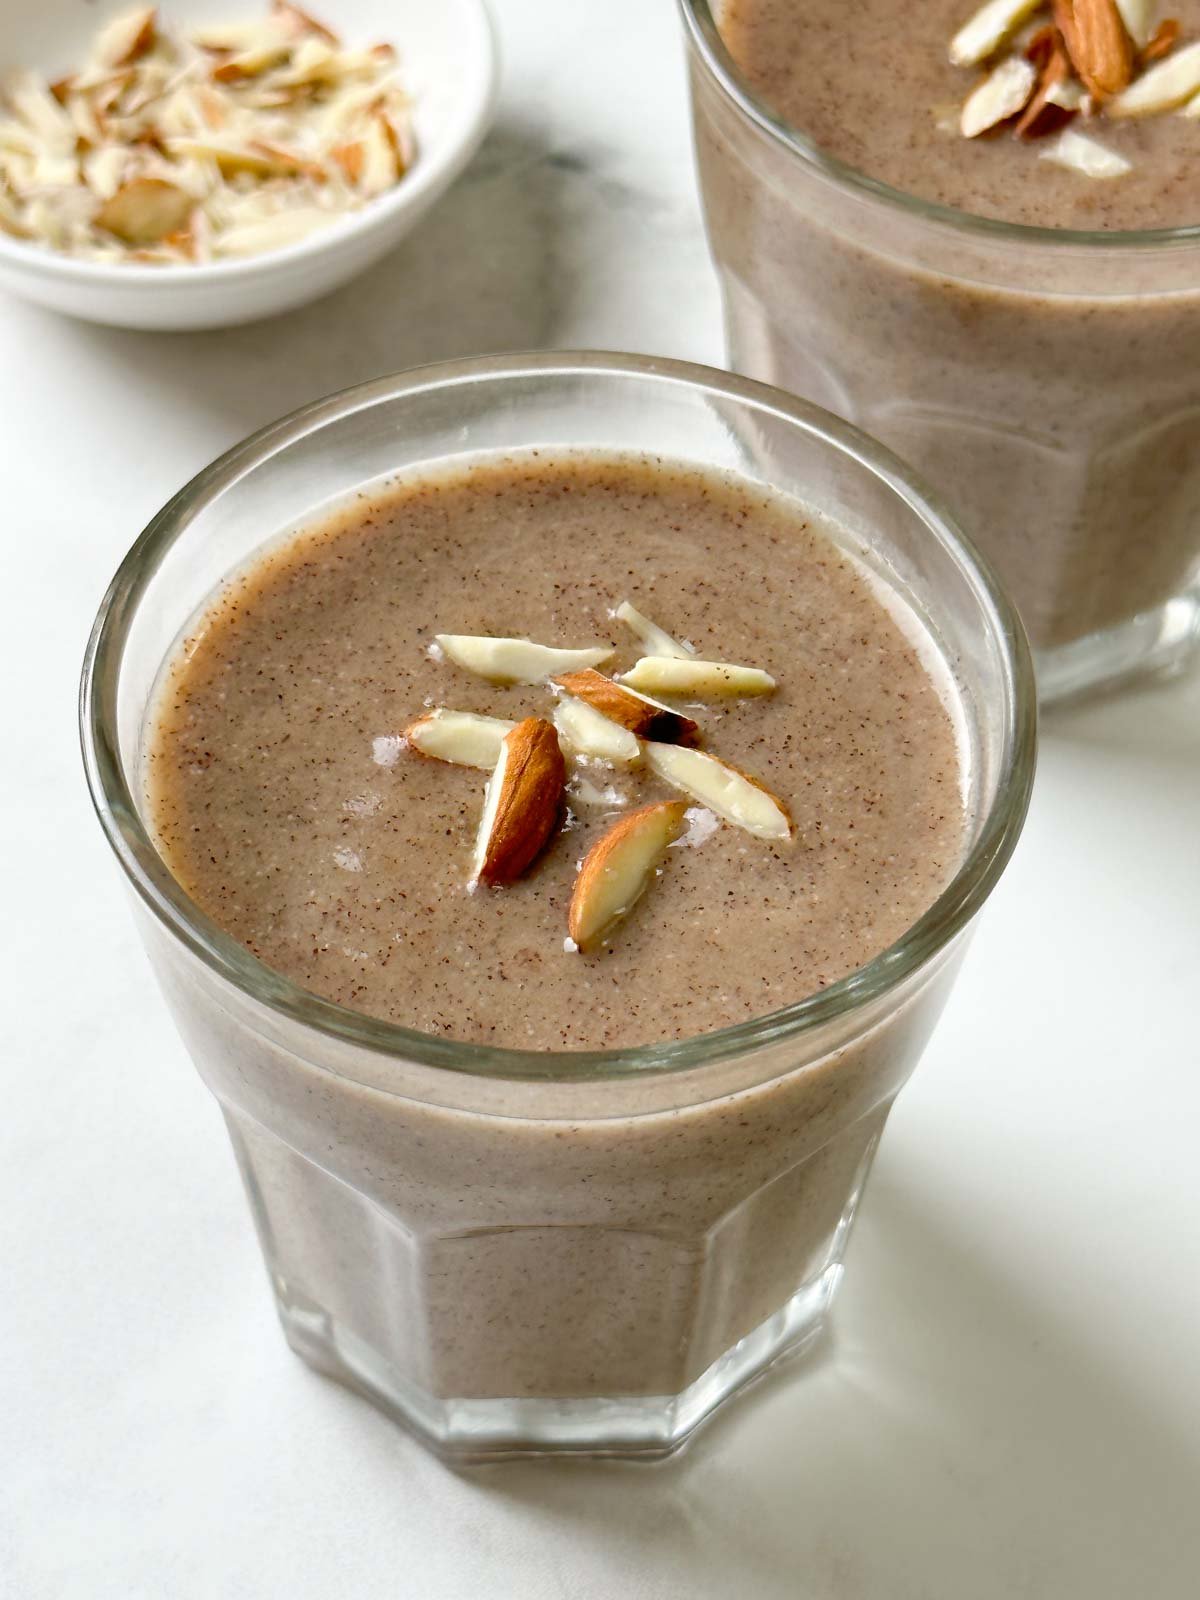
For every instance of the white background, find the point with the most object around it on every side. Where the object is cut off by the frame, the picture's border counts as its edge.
(1010, 1404)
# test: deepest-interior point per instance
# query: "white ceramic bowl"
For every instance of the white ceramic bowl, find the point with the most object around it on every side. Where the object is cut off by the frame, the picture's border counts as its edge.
(448, 64)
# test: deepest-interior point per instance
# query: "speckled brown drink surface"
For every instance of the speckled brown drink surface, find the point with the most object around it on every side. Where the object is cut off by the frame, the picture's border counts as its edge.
(1050, 394)
(286, 807)
(873, 84)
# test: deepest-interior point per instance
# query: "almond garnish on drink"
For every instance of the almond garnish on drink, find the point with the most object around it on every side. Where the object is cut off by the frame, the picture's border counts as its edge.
(1056, 60)
(619, 868)
(648, 719)
(595, 721)
(521, 804)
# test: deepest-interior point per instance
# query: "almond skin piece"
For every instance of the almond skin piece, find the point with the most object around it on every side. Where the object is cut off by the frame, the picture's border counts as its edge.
(1098, 43)
(626, 709)
(521, 807)
(619, 868)
(1163, 40)
(1043, 115)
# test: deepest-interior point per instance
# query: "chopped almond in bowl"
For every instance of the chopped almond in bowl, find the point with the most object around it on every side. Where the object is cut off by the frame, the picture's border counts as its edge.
(261, 153)
(170, 145)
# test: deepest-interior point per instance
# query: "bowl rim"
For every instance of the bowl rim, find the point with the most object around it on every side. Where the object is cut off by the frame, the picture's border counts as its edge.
(225, 957)
(428, 175)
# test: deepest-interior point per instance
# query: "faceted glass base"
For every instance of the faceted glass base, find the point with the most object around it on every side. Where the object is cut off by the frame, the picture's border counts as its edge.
(646, 1427)
(1156, 644)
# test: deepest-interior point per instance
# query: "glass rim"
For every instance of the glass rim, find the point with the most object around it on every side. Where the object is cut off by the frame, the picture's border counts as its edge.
(225, 956)
(705, 35)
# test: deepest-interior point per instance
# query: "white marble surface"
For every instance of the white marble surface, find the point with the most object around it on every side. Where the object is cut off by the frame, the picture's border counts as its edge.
(1011, 1403)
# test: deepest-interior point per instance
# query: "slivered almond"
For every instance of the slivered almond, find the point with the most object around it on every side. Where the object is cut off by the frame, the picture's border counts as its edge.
(350, 157)
(286, 112)
(1167, 84)
(619, 868)
(655, 641)
(1097, 42)
(285, 161)
(1067, 95)
(251, 63)
(708, 679)
(633, 711)
(257, 157)
(1137, 15)
(29, 96)
(1083, 154)
(502, 660)
(380, 167)
(724, 789)
(462, 738)
(587, 793)
(144, 210)
(585, 732)
(521, 803)
(272, 233)
(1002, 94)
(243, 37)
(1163, 40)
(988, 29)
(303, 23)
(129, 35)
(1044, 111)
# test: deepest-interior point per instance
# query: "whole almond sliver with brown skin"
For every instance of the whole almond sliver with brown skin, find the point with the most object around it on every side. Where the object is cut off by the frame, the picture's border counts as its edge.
(1042, 115)
(628, 710)
(619, 868)
(521, 804)
(1098, 44)
(144, 211)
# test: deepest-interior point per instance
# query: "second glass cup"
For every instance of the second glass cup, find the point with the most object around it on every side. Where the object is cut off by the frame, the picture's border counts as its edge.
(522, 1251)
(1043, 380)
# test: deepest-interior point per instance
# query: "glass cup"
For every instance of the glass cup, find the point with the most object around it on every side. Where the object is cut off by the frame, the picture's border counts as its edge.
(1044, 380)
(518, 1251)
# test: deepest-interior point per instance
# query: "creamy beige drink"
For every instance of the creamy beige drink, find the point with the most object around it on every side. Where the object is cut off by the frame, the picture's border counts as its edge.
(555, 857)
(1046, 387)
(291, 810)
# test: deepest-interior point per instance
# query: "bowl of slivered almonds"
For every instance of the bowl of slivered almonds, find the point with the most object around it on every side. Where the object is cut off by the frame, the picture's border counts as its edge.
(205, 162)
